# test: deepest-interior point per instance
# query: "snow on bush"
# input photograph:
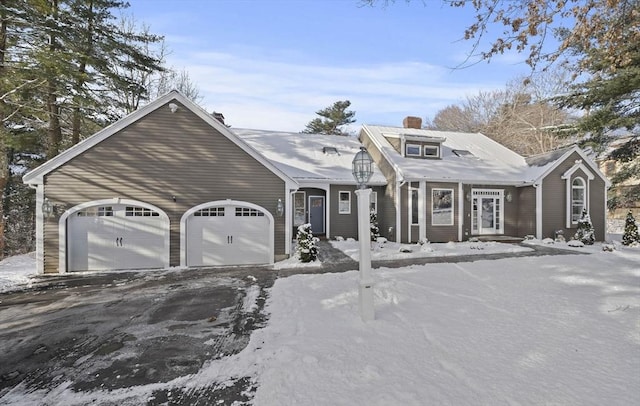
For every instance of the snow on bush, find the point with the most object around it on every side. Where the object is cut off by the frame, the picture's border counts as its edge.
(307, 250)
(575, 243)
(631, 237)
(585, 232)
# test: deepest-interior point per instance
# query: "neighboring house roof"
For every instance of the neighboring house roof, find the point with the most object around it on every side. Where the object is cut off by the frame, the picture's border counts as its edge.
(36, 175)
(309, 158)
(484, 160)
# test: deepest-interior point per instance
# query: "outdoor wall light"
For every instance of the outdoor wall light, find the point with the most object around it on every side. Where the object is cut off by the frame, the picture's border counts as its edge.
(509, 197)
(279, 208)
(47, 208)
(173, 107)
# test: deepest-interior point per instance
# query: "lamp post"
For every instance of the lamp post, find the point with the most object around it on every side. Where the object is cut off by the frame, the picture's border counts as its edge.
(362, 171)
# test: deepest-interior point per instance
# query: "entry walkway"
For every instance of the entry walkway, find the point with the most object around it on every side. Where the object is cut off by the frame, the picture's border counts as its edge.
(334, 260)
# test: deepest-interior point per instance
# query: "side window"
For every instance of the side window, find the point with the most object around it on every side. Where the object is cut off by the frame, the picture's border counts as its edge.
(344, 202)
(414, 206)
(373, 202)
(299, 208)
(577, 199)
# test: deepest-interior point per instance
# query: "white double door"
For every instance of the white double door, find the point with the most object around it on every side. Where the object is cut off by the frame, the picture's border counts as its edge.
(116, 237)
(229, 235)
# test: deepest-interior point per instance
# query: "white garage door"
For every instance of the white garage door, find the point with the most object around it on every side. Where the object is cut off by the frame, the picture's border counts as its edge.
(116, 236)
(230, 234)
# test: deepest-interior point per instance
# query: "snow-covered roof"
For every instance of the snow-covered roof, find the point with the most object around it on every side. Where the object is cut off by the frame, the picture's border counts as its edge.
(484, 160)
(308, 158)
(467, 157)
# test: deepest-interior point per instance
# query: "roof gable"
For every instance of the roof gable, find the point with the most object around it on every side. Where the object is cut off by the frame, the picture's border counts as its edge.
(36, 175)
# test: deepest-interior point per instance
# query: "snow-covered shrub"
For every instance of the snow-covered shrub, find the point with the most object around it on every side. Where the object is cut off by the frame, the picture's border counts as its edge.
(548, 241)
(529, 237)
(339, 238)
(608, 247)
(585, 232)
(575, 243)
(373, 225)
(406, 249)
(306, 249)
(631, 237)
(381, 240)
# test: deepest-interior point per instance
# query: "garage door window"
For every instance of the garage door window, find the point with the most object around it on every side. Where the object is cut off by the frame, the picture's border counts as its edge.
(210, 212)
(131, 211)
(247, 212)
(100, 211)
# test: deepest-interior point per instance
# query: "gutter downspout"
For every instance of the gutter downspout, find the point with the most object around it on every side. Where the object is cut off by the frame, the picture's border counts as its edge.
(538, 187)
(39, 188)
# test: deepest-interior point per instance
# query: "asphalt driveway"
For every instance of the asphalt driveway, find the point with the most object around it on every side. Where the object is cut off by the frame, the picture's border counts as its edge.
(128, 329)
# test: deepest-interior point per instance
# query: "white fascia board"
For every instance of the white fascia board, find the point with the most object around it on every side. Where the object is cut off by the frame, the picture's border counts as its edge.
(585, 159)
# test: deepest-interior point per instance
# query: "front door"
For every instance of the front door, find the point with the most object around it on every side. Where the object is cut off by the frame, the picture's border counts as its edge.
(316, 214)
(487, 215)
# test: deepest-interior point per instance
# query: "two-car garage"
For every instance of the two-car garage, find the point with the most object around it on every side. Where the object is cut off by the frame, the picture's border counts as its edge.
(117, 234)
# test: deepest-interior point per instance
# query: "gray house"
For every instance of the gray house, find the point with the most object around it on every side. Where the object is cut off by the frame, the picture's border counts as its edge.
(170, 186)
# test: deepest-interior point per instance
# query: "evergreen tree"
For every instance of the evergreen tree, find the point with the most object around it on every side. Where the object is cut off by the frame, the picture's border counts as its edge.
(375, 228)
(631, 235)
(585, 232)
(306, 249)
(332, 119)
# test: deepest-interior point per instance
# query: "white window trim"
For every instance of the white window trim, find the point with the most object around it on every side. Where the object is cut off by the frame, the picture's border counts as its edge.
(411, 190)
(453, 206)
(304, 206)
(584, 197)
(426, 147)
(340, 210)
(407, 146)
(567, 176)
(374, 201)
(495, 193)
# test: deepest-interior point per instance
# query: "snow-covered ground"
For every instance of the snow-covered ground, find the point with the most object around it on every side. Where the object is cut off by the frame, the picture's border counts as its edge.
(17, 271)
(562, 330)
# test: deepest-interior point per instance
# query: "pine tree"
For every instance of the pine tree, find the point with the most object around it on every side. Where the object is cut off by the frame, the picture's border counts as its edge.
(375, 228)
(332, 119)
(585, 232)
(306, 249)
(631, 235)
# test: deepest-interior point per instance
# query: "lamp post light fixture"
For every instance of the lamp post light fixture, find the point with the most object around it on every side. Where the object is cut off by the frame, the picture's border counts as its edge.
(362, 166)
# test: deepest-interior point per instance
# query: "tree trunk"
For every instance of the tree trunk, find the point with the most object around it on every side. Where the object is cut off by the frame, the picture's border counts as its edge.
(54, 131)
(4, 162)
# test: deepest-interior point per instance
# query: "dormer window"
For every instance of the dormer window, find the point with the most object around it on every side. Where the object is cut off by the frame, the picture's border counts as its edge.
(413, 150)
(431, 151)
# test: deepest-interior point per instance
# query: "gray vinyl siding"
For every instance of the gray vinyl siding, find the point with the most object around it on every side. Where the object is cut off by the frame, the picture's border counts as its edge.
(442, 233)
(554, 201)
(526, 198)
(343, 225)
(162, 155)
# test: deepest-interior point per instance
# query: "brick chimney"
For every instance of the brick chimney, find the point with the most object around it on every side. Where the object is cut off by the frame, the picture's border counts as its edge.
(412, 122)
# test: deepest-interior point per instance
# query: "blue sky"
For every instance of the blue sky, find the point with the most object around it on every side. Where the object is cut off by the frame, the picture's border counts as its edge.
(271, 64)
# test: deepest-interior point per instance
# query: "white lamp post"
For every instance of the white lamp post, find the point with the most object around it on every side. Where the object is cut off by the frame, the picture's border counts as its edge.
(362, 171)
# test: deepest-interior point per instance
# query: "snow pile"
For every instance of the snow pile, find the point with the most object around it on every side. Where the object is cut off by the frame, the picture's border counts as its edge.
(391, 250)
(17, 270)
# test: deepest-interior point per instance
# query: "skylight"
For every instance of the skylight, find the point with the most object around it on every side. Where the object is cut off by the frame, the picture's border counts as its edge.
(463, 153)
(330, 150)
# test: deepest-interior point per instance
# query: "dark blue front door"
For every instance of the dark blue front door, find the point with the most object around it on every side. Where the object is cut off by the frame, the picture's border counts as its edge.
(316, 214)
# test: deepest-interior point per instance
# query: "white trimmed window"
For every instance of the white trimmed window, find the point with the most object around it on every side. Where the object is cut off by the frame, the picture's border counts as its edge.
(442, 207)
(344, 202)
(299, 209)
(431, 151)
(415, 211)
(578, 193)
(373, 202)
(413, 150)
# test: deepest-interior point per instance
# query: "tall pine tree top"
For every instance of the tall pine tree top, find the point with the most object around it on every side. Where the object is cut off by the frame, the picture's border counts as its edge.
(332, 119)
